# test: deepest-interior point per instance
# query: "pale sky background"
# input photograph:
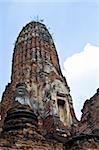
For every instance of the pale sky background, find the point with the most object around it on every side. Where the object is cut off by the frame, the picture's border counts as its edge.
(74, 26)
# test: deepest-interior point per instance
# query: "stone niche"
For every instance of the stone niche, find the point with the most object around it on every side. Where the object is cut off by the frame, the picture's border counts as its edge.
(61, 105)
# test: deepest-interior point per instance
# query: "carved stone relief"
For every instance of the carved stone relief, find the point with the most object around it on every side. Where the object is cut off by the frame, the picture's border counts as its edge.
(21, 94)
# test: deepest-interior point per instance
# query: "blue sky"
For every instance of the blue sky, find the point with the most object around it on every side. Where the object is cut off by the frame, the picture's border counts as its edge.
(72, 24)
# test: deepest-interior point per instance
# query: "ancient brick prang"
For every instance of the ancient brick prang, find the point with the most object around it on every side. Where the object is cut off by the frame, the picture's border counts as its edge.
(36, 108)
(36, 63)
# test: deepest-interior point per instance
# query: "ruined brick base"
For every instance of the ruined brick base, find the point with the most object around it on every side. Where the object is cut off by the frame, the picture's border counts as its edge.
(27, 140)
(83, 142)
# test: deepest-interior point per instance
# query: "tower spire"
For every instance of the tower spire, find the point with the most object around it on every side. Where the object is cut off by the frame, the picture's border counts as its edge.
(36, 65)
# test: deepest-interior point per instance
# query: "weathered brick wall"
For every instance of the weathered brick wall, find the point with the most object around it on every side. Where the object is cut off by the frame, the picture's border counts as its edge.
(86, 135)
(90, 116)
(30, 145)
(83, 143)
(6, 100)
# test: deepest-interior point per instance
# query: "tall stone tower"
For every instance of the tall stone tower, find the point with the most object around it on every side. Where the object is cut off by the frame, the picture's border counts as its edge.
(37, 82)
(35, 61)
(36, 108)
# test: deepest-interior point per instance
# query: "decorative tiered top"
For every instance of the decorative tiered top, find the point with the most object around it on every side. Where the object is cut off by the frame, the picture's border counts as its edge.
(35, 29)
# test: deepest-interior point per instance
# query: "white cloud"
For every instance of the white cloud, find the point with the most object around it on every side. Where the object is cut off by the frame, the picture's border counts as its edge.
(82, 73)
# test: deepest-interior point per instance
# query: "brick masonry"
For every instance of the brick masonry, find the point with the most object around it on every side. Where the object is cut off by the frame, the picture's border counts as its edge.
(38, 90)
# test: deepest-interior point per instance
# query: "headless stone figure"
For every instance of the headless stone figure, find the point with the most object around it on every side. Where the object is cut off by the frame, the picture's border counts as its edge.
(21, 94)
